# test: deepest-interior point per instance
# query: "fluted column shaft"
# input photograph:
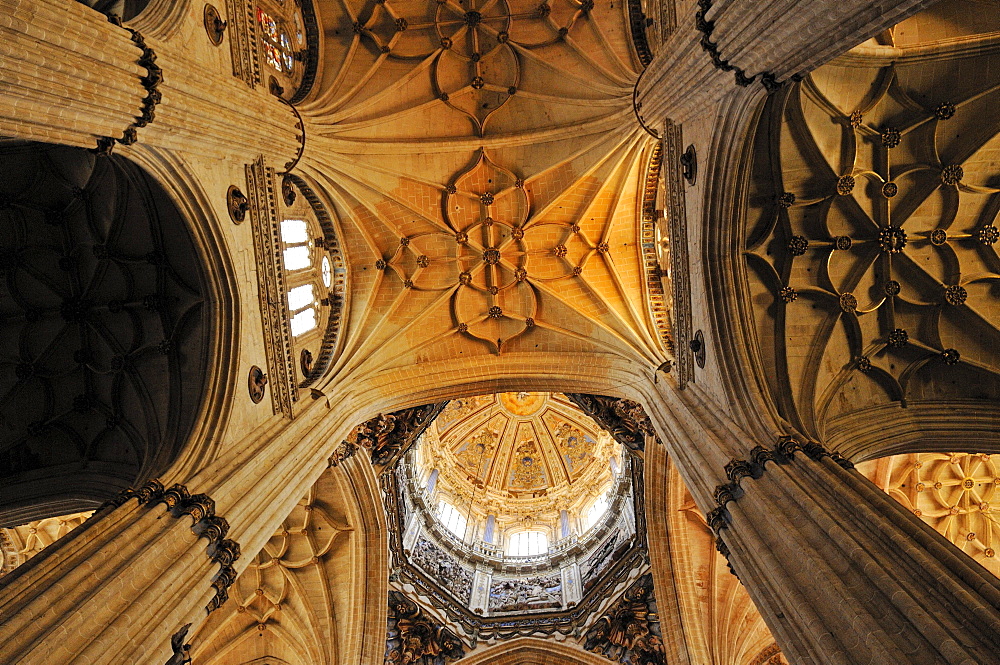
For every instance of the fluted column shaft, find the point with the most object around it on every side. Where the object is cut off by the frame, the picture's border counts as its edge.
(116, 590)
(767, 42)
(842, 574)
(69, 76)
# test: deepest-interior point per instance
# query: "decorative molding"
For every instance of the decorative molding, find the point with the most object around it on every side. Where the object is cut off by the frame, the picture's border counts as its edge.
(629, 632)
(338, 285)
(388, 437)
(206, 524)
(770, 655)
(243, 41)
(150, 83)
(415, 639)
(680, 269)
(719, 518)
(271, 286)
(655, 293)
(624, 419)
(705, 27)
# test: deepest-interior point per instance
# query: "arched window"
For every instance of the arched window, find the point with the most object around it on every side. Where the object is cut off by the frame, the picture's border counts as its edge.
(597, 510)
(314, 276)
(282, 33)
(527, 543)
(453, 520)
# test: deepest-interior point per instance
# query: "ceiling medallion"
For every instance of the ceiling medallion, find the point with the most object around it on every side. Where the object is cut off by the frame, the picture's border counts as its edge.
(845, 185)
(864, 364)
(955, 295)
(944, 111)
(890, 189)
(842, 243)
(939, 237)
(423, 261)
(856, 118)
(898, 338)
(891, 288)
(952, 174)
(797, 245)
(491, 256)
(788, 294)
(848, 303)
(559, 250)
(891, 137)
(786, 199)
(988, 235)
(892, 239)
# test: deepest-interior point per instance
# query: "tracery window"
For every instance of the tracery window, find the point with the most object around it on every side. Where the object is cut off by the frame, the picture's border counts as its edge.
(314, 277)
(527, 543)
(282, 43)
(453, 520)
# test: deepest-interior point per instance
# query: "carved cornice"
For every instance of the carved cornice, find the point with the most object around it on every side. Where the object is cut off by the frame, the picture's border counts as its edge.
(629, 632)
(680, 271)
(624, 419)
(706, 28)
(150, 83)
(719, 518)
(271, 289)
(389, 436)
(415, 639)
(205, 524)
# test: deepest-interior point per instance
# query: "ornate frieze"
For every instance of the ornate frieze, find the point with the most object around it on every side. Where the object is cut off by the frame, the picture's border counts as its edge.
(525, 594)
(624, 419)
(629, 632)
(599, 560)
(271, 289)
(416, 639)
(444, 569)
(206, 524)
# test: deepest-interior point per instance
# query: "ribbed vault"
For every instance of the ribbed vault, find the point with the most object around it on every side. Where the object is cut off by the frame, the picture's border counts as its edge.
(489, 177)
(871, 238)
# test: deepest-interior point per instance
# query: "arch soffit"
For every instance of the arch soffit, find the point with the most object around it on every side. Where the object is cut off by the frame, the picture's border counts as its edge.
(183, 187)
(533, 651)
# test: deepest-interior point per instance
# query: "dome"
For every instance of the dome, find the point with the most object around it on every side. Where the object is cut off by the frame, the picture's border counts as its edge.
(522, 457)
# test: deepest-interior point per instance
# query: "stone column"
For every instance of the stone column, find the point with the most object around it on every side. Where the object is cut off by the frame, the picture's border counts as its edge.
(117, 588)
(723, 44)
(841, 573)
(69, 76)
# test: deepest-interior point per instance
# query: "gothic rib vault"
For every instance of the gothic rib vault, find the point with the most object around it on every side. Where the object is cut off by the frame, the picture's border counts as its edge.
(715, 271)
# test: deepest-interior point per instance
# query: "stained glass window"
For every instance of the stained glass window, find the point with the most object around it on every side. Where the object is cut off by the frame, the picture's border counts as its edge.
(277, 46)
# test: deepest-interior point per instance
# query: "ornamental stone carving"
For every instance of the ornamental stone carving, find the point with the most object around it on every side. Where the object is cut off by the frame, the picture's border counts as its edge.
(630, 632)
(444, 569)
(533, 593)
(624, 419)
(415, 639)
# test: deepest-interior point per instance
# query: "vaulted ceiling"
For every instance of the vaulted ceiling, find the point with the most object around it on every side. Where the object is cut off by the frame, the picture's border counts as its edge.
(487, 174)
(871, 239)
